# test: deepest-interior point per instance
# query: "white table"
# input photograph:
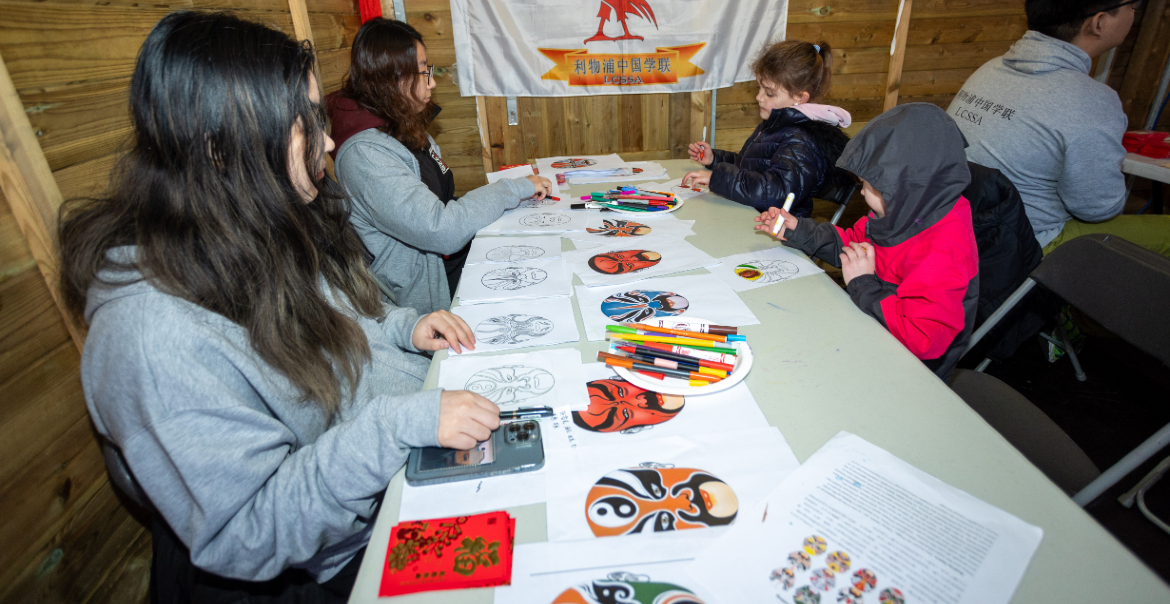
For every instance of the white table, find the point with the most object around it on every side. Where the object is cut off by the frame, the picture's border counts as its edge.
(822, 366)
(1147, 167)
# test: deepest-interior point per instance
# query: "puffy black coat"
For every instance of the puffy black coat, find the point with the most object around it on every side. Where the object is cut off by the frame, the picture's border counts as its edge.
(788, 153)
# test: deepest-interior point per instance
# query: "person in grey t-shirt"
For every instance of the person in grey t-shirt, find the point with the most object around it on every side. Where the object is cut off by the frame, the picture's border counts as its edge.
(1036, 115)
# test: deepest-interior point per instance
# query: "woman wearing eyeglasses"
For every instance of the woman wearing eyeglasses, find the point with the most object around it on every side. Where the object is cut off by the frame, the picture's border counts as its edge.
(404, 204)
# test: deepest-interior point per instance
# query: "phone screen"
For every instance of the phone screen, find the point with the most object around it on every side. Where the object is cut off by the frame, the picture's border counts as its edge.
(434, 458)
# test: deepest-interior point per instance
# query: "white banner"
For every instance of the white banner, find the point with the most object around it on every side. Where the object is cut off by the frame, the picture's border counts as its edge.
(578, 48)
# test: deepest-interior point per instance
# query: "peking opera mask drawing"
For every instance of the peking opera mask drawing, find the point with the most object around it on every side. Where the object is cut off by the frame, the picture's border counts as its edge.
(622, 587)
(626, 261)
(511, 384)
(612, 227)
(512, 329)
(573, 162)
(642, 304)
(655, 498)
(616, 405)
(766, 271)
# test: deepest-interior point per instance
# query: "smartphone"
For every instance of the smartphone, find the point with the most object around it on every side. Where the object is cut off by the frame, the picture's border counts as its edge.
(513, 447)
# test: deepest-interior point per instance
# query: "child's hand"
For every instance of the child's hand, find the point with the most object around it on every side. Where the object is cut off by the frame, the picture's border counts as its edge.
(858, 259)
(768, 220)
(701, 152)
(697, 178)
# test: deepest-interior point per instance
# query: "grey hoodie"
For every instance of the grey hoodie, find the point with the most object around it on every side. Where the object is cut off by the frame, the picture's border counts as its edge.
(252, 480)
(1036, 115)
(405, 226)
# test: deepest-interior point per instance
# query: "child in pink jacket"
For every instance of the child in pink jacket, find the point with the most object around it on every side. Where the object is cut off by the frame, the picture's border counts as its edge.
(912, 263)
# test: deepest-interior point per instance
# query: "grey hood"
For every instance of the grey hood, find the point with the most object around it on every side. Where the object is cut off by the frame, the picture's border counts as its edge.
(913, 155)
(1038, 53)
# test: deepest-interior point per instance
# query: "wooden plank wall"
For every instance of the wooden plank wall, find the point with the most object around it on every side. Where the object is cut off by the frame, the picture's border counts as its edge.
(68, 538)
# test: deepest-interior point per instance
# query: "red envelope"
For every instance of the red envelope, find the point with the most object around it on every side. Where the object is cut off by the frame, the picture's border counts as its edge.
(449, 553)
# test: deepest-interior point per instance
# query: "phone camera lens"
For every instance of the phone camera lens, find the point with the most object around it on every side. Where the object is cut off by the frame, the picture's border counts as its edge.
(523, 436)
(513, 427)
(529, 426)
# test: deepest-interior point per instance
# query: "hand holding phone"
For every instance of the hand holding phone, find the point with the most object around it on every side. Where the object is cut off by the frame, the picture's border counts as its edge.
(465, 418)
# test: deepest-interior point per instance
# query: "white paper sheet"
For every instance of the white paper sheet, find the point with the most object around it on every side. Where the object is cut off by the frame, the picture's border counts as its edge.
(552, 378)
(914, 533)
(482, 283)
(521, 172)
(569, 163)
(520, 324)
(653, 565)
(611, 228)
(537, 221)
(727, 472)
(675, 186)
(621, 414)
(472, 496)
(628, 261)
(513, 249)
(702, 296)
(757, 269)
(649, 169)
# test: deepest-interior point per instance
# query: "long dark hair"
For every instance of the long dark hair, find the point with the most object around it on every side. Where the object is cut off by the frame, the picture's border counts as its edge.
(206, 195)
(383, 72)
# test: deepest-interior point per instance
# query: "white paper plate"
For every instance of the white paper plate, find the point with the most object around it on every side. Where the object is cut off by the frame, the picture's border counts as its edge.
(669, 385)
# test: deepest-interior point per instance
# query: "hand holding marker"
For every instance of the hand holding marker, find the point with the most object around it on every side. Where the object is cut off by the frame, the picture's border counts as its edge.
(780, 219)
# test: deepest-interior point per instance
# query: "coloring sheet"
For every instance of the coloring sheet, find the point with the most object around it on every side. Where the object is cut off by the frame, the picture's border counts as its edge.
(520, 281)
(702, 296)
(468, 497)
(610, 227)
(648, 169)
(537, 221)
(621, 413)
(628, 261)
(521, 172)
(552, 378)
(675, 186)
(856, 523)
(643, 570)
(513, 249)
(549, 167)
(757, 269)
(667, 484)
(520, 324)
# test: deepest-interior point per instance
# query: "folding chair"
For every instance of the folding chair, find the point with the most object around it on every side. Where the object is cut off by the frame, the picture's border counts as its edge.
(840, 191)
(1123, 287)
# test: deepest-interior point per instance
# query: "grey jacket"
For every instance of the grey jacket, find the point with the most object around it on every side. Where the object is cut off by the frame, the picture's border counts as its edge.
(1035, 115)
(405, 226)
(252, 480)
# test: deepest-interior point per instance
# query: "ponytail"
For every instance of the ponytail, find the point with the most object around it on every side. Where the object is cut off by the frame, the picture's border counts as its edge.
(797, 67)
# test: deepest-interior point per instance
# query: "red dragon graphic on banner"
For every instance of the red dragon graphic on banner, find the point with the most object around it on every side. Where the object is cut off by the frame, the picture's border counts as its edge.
(622, 9)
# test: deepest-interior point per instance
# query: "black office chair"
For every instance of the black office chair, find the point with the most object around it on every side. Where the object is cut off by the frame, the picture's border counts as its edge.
(840, 190)
(1120, 285)
(1027, 428)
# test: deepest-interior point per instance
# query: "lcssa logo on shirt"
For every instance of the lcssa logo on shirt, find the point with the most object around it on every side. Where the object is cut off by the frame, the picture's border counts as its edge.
(438, 160)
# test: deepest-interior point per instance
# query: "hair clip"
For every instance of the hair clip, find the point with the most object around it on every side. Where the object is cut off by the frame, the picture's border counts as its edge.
(817, 48)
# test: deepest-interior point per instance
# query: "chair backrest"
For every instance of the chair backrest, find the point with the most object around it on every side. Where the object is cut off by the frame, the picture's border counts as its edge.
(839, 187)
(121, 477)
(1122, 286)
(1027, 428)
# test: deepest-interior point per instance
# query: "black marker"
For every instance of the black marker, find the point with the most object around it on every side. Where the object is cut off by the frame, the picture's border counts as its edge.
(527, 413)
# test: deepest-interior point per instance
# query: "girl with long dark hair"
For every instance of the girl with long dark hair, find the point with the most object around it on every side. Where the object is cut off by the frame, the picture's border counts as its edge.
(239, 356)
(405, 209)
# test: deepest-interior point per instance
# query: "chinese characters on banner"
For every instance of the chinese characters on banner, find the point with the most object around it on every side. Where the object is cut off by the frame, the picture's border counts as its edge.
(584, 47)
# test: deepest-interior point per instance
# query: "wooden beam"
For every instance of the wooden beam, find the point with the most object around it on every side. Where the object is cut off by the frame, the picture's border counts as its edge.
(1146, 64)
(485, 139)
(897, 55)
(31, 191)
(387, 9)
(300, 18)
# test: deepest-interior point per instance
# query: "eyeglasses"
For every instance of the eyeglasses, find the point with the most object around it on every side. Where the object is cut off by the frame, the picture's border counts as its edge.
(430, 72)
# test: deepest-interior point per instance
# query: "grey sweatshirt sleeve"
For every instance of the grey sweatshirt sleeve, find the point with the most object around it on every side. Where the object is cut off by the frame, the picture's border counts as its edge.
(399, 324)
(232, 480)
(391, 197)
(1091, 184)
(817, 240)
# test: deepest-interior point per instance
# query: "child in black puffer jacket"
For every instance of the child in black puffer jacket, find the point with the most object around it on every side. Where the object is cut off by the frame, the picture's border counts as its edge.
(796, 146)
